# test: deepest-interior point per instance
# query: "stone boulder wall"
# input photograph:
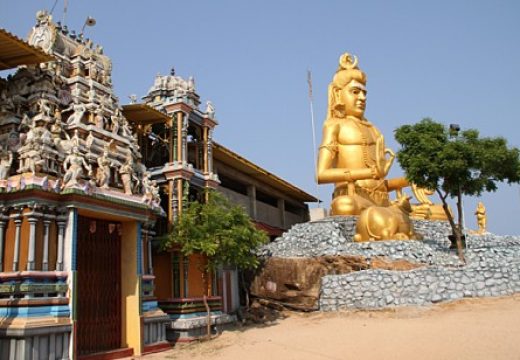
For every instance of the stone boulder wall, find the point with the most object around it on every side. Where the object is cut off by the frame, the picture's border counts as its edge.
(316, 265)
(296, 282)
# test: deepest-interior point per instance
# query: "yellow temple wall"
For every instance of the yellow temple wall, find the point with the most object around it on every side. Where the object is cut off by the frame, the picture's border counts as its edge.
(130, 290)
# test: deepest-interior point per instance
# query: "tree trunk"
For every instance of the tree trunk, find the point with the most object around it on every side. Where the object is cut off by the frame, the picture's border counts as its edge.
(245, 288)
(208, 326)
(458, 235)
(454, 228)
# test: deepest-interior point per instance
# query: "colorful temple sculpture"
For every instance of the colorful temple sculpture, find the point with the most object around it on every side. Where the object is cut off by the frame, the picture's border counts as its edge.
(177, 150)
(87, 186)
(76, 206)
(184, 160)
(353, 156)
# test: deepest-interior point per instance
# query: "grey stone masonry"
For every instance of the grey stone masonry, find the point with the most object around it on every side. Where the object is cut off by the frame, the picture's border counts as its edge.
(492, 265)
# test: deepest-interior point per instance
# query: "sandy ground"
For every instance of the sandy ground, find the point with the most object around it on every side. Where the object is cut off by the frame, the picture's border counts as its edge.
(468, 329)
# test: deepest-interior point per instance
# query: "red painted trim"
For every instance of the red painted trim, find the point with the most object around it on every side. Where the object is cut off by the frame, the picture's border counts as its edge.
(176, 173)
(270, 230)
(108, 355)
(206, 121)
(148, 277)
(178, 106)
(155, 348)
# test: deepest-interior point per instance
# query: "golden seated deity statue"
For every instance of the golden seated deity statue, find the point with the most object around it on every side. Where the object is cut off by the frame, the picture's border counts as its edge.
(354, 157)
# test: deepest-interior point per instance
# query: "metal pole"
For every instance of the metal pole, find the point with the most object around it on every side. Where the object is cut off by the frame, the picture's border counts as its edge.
(309, 82)
(65, 6)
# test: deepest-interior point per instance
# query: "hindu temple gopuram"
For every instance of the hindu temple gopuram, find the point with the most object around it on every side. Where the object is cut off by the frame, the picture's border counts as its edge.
(76, 206)
(87, 184)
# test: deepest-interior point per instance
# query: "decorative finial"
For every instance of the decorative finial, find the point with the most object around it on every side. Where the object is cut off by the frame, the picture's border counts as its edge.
(172, 71)
(347, 62)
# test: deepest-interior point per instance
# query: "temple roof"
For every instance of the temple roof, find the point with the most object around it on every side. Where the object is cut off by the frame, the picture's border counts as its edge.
(231, 158)
(15, 51)
(143, 114)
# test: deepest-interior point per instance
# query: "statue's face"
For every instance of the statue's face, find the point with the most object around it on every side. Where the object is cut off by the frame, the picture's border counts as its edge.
(353, 96)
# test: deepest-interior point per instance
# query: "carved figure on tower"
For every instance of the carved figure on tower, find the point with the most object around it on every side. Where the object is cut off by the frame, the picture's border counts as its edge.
(73, 166)
(353, 156)
(6, 160)
(79, 110)
(103, 171)
(128, 175)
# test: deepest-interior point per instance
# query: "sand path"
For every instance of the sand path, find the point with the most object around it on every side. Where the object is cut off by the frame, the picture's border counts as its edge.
(468, 329)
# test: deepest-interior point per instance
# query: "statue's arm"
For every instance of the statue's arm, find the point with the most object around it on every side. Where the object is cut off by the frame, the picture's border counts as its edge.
(66, 164)
(85, 164)
(397, 183)
(327, 154)
(326, 172)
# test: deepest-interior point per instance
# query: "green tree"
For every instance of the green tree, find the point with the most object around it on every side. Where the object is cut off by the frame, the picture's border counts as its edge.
(221, 231)
(455, 164)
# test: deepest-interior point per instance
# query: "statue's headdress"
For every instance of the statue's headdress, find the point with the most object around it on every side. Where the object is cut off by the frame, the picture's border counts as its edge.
(347, 62)
(347, 70)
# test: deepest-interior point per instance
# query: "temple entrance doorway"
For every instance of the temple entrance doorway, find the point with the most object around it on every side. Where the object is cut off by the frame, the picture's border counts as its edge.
(99, 286)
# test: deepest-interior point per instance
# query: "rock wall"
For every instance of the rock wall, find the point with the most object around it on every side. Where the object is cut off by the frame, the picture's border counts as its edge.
(429, 271)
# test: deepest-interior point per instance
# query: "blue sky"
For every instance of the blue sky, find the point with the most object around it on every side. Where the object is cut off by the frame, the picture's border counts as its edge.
(454, 61)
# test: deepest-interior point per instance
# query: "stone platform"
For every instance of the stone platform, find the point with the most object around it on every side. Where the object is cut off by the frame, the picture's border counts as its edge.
(386, 273)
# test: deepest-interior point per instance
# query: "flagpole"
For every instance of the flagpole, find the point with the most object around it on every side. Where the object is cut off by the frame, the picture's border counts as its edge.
(65, 6)
(309, 82)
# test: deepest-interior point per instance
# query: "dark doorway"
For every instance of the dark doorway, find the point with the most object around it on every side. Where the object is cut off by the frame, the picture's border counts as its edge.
(99, 286)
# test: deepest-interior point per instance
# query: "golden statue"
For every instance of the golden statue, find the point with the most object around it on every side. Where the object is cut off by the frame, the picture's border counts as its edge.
(481, 218)
(426, 209)
(354, 157)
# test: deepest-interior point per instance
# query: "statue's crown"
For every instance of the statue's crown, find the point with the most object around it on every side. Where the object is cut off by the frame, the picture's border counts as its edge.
(347, 62)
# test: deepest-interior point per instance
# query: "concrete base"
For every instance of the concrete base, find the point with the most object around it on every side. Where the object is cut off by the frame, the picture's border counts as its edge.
(317, 214)
(155, 327)
(43, 341)
(195, 327)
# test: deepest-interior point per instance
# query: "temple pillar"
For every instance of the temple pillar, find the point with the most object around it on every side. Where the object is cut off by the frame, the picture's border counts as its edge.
(210, 150)
(17, 238)
(251, 194)
(184, 139)
(61, 222)
(205, 149)
(149, 251)
(46, 226)
(172, 141)
(33, 221)
(281, 208)
(179, 135)
(179, 196)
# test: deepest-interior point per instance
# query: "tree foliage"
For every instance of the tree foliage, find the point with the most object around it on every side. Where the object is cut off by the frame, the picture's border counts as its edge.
(455, 164)
(221, 231)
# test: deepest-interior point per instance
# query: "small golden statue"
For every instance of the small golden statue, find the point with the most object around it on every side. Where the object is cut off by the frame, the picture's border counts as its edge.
(481, 218)
(354, 157)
